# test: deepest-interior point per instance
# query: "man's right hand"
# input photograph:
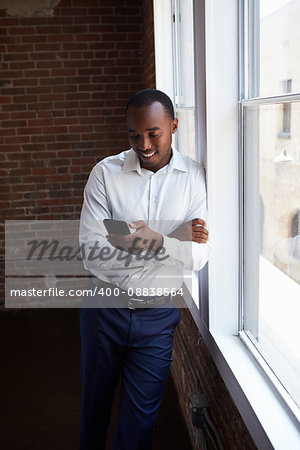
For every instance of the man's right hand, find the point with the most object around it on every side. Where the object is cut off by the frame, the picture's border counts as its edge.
(195, 230)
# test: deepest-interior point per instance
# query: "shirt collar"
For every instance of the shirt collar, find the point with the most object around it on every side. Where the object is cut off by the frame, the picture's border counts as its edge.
(131, 162)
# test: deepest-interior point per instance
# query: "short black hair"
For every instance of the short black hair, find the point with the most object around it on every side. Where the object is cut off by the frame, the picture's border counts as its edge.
(146, 97)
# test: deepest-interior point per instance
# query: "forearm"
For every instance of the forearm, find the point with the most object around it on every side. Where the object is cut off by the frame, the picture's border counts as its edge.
(185, 254)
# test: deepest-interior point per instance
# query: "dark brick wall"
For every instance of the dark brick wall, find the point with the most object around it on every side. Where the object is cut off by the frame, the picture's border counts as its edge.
(231, 428)
(64, 82)
(148, 44)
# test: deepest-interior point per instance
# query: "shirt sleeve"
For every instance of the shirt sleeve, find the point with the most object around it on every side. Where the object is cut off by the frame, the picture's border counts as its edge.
(99, 256)
(187, 254)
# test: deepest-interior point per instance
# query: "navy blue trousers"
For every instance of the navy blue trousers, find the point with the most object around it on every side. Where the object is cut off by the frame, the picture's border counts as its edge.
(136, 344)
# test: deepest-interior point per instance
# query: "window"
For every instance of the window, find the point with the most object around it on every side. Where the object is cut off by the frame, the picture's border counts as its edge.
(174, 53)
(183, 70)
(269, 418)
(270, 194)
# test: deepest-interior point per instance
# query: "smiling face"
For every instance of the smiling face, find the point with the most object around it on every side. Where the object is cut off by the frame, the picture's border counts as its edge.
(150, 134)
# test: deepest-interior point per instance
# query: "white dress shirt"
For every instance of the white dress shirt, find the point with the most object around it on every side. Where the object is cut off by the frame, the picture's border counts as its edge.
(119, 188)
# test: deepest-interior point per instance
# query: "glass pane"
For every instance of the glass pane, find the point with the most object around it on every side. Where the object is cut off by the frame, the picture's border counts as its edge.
(186, 52)
(184, 75)
(276, 36)
(272, 237)
(186, 132)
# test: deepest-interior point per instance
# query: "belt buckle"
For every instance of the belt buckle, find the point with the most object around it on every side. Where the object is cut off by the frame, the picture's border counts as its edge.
(130, 305)
(138, 300)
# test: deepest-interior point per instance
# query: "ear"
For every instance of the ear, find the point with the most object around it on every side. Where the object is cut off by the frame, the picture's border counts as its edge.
(174, 125)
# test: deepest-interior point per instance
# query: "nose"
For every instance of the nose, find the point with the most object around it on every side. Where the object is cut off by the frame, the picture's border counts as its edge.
(144, 143)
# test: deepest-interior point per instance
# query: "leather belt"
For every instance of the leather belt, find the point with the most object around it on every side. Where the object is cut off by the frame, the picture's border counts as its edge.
(134, 302)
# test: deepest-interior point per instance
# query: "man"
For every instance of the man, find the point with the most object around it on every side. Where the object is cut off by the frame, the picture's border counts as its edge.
(127, 328)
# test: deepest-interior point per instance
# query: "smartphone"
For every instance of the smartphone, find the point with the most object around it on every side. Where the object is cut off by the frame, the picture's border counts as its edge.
(116, 226)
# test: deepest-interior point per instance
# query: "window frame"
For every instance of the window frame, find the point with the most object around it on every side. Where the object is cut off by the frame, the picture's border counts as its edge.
(248, 88)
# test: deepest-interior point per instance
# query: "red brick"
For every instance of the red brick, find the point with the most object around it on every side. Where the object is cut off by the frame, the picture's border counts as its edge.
(48, 30)
(43, 55)
(8, 21)
(67, 137)
(66, 105)
(13, 123)
(47, 47)
(73, 11)
(66, 121)
(64, 88)
(22, 65)
(33, 21)
(11, 74)
(86, 19)
(25, 99)
(113, 19)
(10, 196)
(114, 37)
(75, 63)
(60, 37)
(5, 99)
(44, 171)
(86, 3)
(51, 97)
(21, 30)
(88, 37)
(23, 188)
(59, 20)
(48, 64)
(63, 73)
(22, 115)
(38, 90)
(19, 48)
(43, 138)
(7, 132)
(16, 140)
(76, 112)
(74, 46)
(98, 46)
(34, 38)
(55, 130)
(50, 81)
(102, 63)
(33, 147)
(29, 130)
(9, 39)
(36, 73)
(40, 106)
(100, 12)
(75, 29)
(101, 28)
(78, 96)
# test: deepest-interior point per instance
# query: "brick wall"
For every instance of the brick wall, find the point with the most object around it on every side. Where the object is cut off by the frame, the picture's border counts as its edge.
(65, 76)
(231, 428)
(148, 44)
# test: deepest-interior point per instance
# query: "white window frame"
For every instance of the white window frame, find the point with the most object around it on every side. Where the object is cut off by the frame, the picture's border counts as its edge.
(267, 417)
